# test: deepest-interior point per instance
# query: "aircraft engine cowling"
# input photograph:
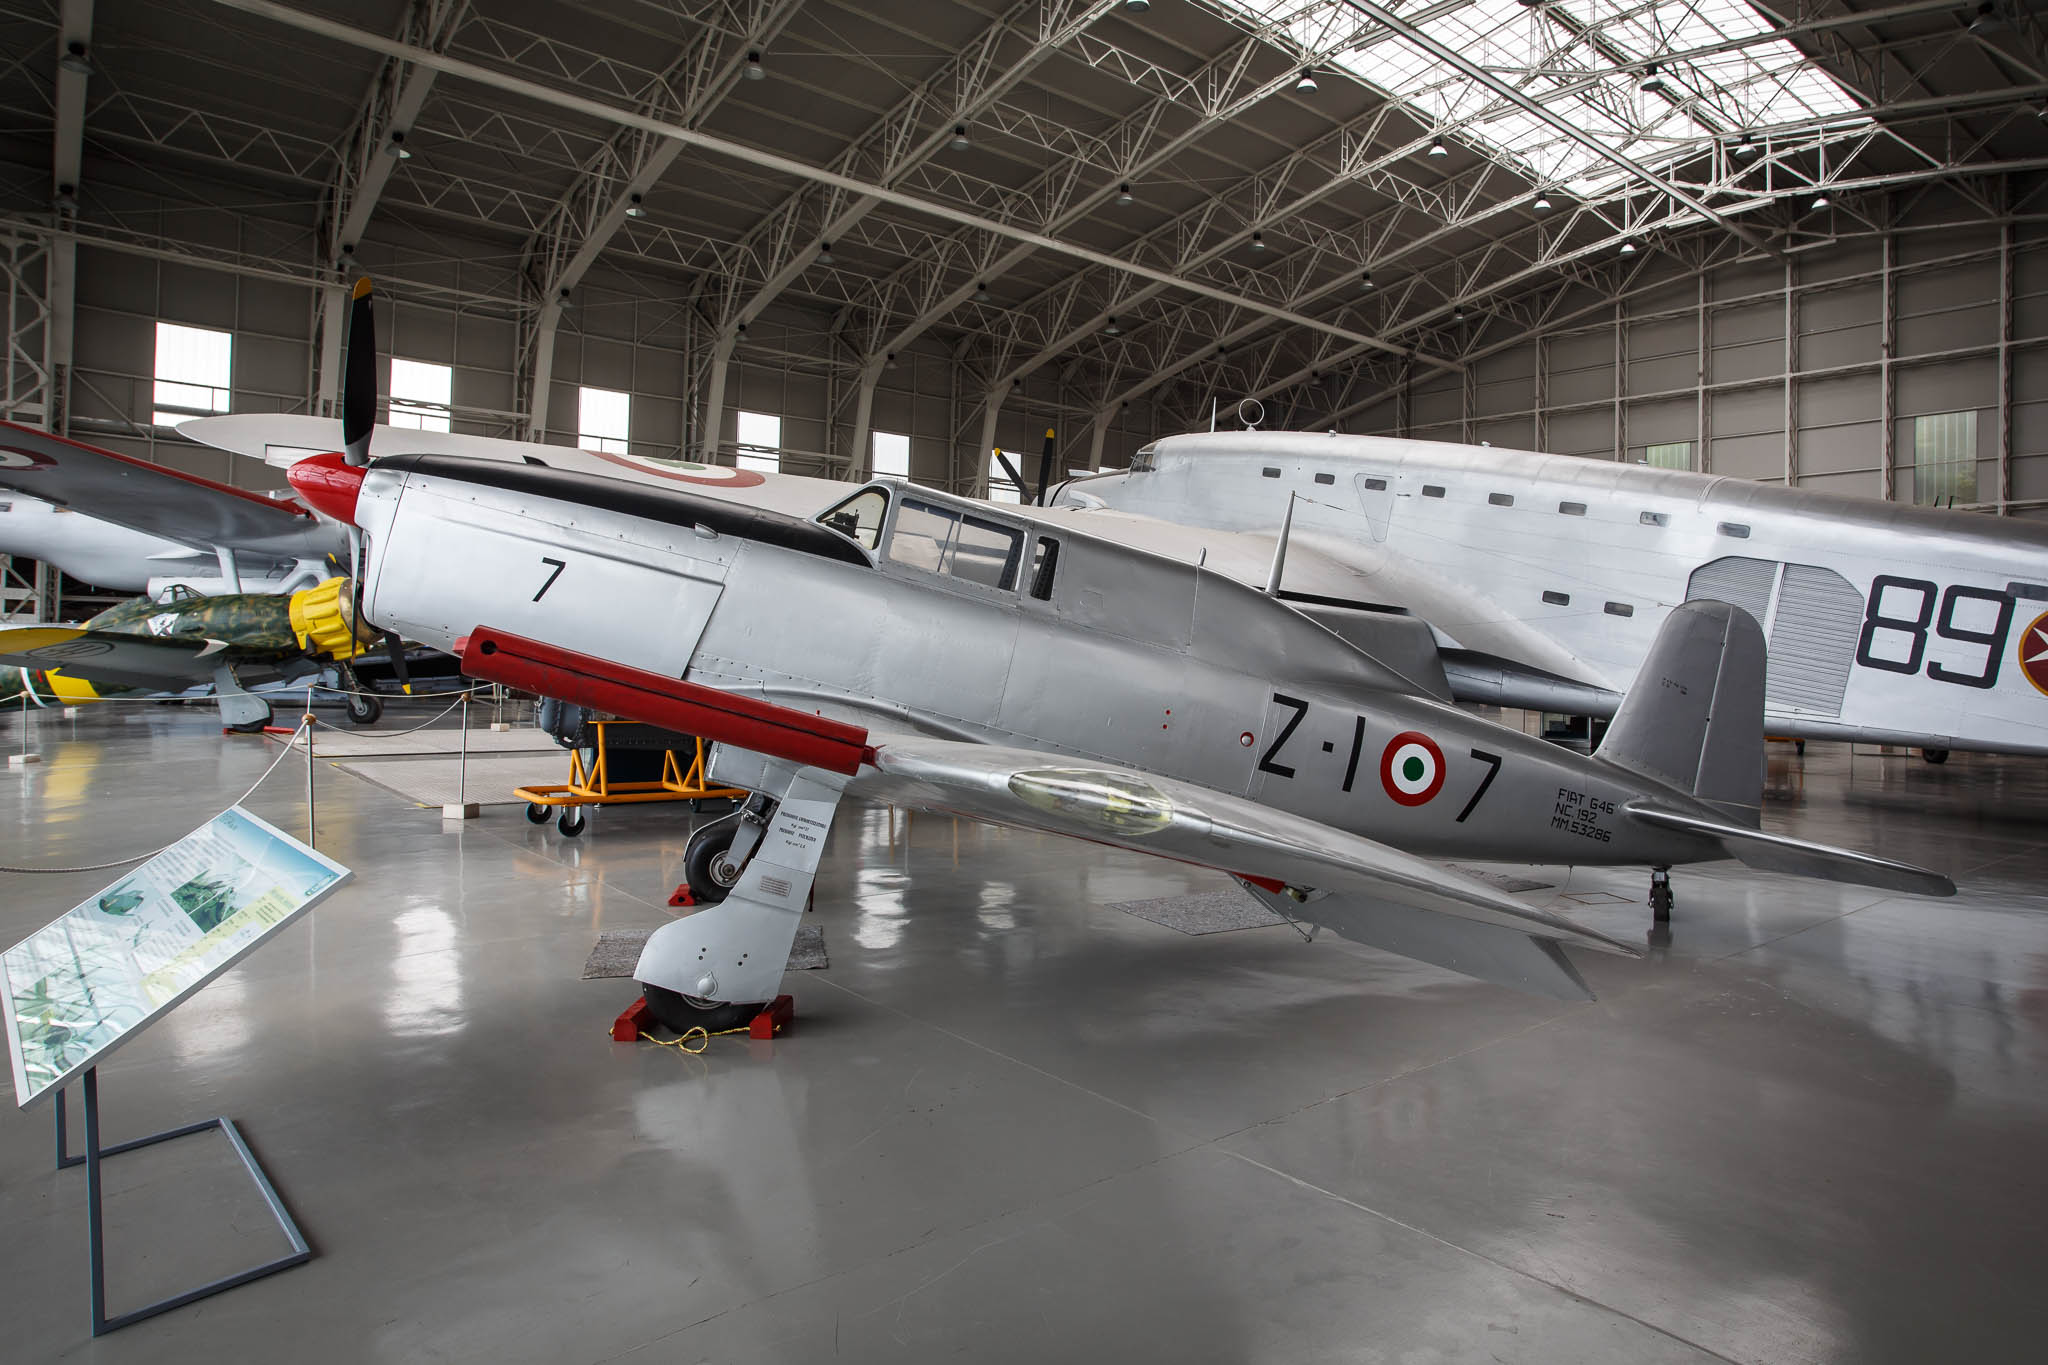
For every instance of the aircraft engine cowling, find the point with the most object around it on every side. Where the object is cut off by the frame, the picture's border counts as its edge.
(324, 620)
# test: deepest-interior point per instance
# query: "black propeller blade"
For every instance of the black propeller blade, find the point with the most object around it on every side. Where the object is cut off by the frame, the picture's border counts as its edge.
(1022, 487)
(395, 652)
(359, 377)
(1045, 466)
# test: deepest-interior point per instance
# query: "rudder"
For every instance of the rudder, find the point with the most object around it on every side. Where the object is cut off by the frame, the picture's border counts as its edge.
(1695, 716)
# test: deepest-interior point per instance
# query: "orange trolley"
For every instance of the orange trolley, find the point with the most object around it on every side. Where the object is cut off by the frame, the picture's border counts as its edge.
(592, 784)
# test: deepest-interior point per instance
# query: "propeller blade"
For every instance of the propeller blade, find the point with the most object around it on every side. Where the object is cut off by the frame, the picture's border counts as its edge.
(395, 652)
(1023, 488)
(359, 377)
(1045, 466)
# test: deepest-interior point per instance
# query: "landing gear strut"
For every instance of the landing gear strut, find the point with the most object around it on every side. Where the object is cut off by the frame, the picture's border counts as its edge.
(1660, 894)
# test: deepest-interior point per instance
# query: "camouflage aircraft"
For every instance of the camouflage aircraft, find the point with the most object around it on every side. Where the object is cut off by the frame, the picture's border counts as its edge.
(181, 639)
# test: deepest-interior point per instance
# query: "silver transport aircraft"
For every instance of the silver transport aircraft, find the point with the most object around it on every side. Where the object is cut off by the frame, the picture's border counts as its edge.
(944, 654)
(1548, 578)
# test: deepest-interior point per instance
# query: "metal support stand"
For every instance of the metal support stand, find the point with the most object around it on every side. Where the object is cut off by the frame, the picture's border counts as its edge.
(90, 1159)
(1660, 895)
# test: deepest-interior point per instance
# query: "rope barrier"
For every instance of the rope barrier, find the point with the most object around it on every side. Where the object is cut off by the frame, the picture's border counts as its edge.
(282, 755)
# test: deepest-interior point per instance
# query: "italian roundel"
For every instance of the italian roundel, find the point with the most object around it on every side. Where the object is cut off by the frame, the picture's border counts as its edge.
(1412, 768)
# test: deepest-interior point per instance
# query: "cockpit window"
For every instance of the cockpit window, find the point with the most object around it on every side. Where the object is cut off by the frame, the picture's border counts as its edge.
(940, 540)
(859, 518)
(1143, 461)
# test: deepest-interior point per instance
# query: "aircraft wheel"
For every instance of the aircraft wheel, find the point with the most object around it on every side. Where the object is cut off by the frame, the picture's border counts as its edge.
(537, 814)
(571, 822)
(255, 727)
(710, 873)
(1935, 756)
(680, 1013)
(363, 710)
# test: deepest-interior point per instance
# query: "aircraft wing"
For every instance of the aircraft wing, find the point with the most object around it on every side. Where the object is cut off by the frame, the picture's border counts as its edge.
(106, 656)
(1309, 871)
(154, 499)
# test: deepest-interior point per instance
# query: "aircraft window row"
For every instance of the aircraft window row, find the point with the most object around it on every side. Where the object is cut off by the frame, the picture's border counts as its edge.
(1376, 485)
(1432, 490)
(1572, 509)
(1326, 478)
(1558, 599)
(1269, 472)
(1619, 609)
(1500, 499)
(1735, 529)
(940, 540)
(2033, 592)
(1655, 519)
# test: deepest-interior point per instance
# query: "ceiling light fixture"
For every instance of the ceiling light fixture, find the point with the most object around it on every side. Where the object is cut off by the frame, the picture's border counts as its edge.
(1542, 204)
(1746, 147)
(1820, 201)
(889, 361)
(1988, 21)
(1532, 4)
(1628, 248)
(1110, 328)
(1137, 6)
(1365, 279)
(74, 59)
(960, 142)
(1651, 83)
(754, 70)
(1306, 82)
(396, 147)
(824, 253)
(1458, 313)
(1123, 195)
(1258, 241)
(981, 291)
(1437, 148)
(633, 207)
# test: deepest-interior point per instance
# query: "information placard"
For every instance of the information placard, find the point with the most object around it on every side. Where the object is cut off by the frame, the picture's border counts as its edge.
(86, 982)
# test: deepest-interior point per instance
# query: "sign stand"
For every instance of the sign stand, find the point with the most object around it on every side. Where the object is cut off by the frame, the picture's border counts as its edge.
(90, 1159)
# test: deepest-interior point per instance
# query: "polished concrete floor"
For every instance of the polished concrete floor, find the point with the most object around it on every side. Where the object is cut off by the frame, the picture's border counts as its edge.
(1011, 1125)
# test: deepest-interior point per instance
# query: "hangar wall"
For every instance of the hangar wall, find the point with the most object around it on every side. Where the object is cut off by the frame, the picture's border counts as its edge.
(1841, 344)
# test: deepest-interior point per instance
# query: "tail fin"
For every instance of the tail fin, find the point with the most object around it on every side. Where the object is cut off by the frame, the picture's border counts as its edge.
(1695, 717)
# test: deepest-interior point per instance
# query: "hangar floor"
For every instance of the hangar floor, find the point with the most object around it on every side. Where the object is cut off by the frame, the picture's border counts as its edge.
(1014, 1126)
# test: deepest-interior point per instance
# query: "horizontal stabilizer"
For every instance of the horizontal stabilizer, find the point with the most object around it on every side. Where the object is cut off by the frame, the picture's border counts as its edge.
(1490, 952)
(1777, 853)
(108, 656)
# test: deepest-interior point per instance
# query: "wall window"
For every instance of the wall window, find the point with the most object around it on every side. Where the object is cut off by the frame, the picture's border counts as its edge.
(892, 454)
(760, 441)
(192, 369)
(1000, 489)
(603, 417)
(420, 394)
(1670, 455)
(1945, 458)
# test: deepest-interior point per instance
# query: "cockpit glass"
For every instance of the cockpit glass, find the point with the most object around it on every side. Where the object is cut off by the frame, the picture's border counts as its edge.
(859, 518)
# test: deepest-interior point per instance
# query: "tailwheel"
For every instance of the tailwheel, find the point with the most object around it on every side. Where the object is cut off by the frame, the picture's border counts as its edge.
(707, 864)
(680, 1013)
(1660, 894)
(363, 709)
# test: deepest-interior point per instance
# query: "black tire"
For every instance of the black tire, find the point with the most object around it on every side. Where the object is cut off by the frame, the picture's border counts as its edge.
(1935, 756)
(704, 867)
(256, 727)
(680, 1013)
(1800, 746)
(537, 814)
(362, 709)
(571, 822)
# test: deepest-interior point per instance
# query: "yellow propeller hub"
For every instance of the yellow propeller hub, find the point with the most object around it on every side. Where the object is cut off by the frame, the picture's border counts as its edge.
(323, 619)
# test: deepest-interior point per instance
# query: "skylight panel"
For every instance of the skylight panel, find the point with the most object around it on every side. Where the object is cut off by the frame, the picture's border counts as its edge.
(1564, 55)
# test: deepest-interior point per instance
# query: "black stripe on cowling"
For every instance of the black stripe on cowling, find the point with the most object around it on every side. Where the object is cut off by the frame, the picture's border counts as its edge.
(669, 506)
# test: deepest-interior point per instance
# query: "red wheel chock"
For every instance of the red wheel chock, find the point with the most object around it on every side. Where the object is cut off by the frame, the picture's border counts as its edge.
(681, 896)
(781, 1012)
(628, 1027)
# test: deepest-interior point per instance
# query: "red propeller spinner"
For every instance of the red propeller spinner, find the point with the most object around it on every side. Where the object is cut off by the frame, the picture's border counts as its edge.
(329, 484)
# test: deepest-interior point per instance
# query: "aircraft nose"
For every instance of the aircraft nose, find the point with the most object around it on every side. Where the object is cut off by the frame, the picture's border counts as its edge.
(328, 483)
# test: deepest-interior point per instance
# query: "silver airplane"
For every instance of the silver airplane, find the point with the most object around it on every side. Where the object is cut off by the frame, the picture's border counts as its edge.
(1548, 578)
(944, 654)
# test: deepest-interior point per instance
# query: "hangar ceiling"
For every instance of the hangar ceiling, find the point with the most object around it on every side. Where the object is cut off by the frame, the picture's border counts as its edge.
(1165, 200)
